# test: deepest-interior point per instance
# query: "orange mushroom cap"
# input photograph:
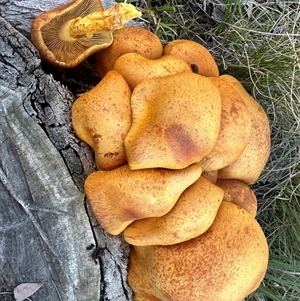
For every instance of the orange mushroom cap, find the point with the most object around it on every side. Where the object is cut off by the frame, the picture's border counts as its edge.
(101, 117)
(192, 215)
(136, 68)
(195, 54)
(239, 193)
(249, 165)
(175, 121)
(226, 263)
(120, 196)
(234, 131)
(127, 40)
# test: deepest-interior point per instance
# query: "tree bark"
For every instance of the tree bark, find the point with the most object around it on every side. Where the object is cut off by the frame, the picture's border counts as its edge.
(47, 231)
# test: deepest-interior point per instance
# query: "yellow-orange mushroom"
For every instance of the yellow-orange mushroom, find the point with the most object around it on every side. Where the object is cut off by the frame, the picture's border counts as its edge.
(136, 68)
(239, 193)
(234, 131)
(227, 262)
(253, 159)
(195, 54)
(120, 196)
(69, 33)
(175, 121)
(192, 215)
(129, 39)
(102, 117)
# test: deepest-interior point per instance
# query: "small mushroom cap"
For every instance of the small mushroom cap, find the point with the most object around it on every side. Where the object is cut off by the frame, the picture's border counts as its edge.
(227, 262)
(239, 193)
(191, 216)
(195, 54)
(120, 196)
(211, 176)
(234, 131)
(129, 39)
(102, 117)
(45, 34)
(253, 159)
(136, 68)
(175, 121)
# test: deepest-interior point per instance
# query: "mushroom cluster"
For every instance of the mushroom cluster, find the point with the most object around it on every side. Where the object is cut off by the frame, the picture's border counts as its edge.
(176, 146)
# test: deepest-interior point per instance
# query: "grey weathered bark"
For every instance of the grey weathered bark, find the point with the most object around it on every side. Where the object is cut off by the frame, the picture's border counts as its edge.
(45, 222)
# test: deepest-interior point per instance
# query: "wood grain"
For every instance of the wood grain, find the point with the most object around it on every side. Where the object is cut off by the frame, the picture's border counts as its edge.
(45, 222)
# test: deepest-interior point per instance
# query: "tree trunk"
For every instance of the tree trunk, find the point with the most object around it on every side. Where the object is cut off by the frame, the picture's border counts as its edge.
(47, 231)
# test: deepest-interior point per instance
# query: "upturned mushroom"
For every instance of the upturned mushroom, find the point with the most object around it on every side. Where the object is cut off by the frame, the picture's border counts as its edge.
(192, 215)
(102, 117)
(234, 131)
(175, 121)
(195, 54)
(227, 262)
(135, 68)
(69, 33)
(239, 193)
(129, 39)
(120, 196)
(253, 159)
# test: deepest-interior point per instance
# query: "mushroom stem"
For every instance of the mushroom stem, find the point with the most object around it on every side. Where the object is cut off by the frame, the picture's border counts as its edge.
(112, 18)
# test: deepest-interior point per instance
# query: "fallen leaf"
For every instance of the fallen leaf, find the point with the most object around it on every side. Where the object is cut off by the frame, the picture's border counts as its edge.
(25, 290)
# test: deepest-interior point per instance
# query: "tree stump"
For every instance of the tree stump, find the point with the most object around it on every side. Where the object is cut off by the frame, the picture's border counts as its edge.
(47, 232)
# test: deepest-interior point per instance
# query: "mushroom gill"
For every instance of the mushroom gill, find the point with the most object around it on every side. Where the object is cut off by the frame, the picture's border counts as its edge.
(69, 33)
